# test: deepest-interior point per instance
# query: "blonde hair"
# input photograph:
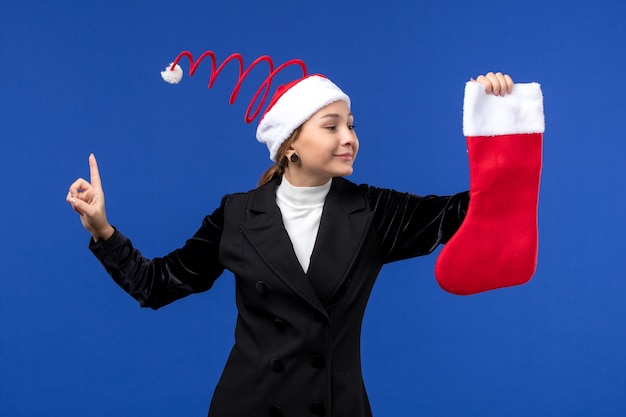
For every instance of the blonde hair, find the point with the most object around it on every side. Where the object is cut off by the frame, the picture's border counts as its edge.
(278, 169)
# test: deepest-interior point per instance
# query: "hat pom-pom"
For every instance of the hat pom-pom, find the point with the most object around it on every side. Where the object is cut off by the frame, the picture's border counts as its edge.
(172, 76)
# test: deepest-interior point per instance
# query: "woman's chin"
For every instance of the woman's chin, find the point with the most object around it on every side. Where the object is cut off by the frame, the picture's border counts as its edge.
(345, 172)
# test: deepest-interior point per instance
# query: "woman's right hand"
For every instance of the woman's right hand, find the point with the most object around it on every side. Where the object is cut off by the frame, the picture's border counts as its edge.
(87, 199)
(497, 84)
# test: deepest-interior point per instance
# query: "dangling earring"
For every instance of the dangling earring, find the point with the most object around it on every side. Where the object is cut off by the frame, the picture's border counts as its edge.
(294, 158)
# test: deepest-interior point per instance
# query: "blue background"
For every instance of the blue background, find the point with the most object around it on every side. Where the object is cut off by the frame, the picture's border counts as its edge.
(83, 76)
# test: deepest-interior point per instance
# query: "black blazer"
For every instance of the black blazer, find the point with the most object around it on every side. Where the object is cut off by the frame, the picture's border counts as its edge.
(297, 339)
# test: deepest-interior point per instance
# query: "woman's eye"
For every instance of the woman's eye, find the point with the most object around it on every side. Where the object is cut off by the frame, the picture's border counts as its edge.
(351, 127)
(331, 128)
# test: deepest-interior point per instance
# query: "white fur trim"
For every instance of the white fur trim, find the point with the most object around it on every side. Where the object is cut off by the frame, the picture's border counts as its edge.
(295, 107)
(488, 115)
(172, 76)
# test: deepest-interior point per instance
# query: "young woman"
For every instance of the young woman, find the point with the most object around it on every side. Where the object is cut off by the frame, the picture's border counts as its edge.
(305, 247)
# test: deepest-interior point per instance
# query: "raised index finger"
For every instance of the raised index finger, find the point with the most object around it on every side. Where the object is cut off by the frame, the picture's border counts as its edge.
(93, 171)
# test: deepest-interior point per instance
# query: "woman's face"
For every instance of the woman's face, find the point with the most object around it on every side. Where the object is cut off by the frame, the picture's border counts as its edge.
(327, 146)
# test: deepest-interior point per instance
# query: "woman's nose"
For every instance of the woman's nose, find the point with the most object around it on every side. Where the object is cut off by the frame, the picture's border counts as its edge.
(349, 137)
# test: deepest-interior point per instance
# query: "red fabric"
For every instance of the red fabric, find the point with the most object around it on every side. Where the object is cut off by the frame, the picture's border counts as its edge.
(497, 244)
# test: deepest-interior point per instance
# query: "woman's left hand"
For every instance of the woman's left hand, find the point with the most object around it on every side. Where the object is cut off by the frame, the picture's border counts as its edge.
(497, 84)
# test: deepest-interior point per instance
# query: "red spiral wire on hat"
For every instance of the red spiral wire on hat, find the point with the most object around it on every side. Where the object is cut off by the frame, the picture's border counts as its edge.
(243, 73)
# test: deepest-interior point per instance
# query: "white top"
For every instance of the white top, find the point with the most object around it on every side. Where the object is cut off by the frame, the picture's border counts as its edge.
(301, 209)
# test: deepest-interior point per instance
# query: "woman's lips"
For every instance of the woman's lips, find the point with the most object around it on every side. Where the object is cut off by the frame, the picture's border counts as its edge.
(345, 156)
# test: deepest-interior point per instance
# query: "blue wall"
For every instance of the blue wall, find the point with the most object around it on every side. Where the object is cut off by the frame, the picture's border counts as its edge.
(83, 77)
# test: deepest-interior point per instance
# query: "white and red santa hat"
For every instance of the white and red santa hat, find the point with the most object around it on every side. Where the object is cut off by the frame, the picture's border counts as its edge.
(291, 105)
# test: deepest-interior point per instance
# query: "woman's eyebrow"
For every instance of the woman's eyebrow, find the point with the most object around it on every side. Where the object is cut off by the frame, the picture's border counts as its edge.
(334, 116)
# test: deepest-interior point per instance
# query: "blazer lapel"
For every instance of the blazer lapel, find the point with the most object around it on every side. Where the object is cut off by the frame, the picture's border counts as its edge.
(342, 231)
(264, 229)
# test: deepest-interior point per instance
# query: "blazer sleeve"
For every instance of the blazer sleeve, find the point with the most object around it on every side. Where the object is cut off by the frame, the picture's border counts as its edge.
(159, 281)
(409, 225)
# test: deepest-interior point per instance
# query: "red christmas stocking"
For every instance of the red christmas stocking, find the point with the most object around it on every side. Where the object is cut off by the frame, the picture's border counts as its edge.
(496, 246)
